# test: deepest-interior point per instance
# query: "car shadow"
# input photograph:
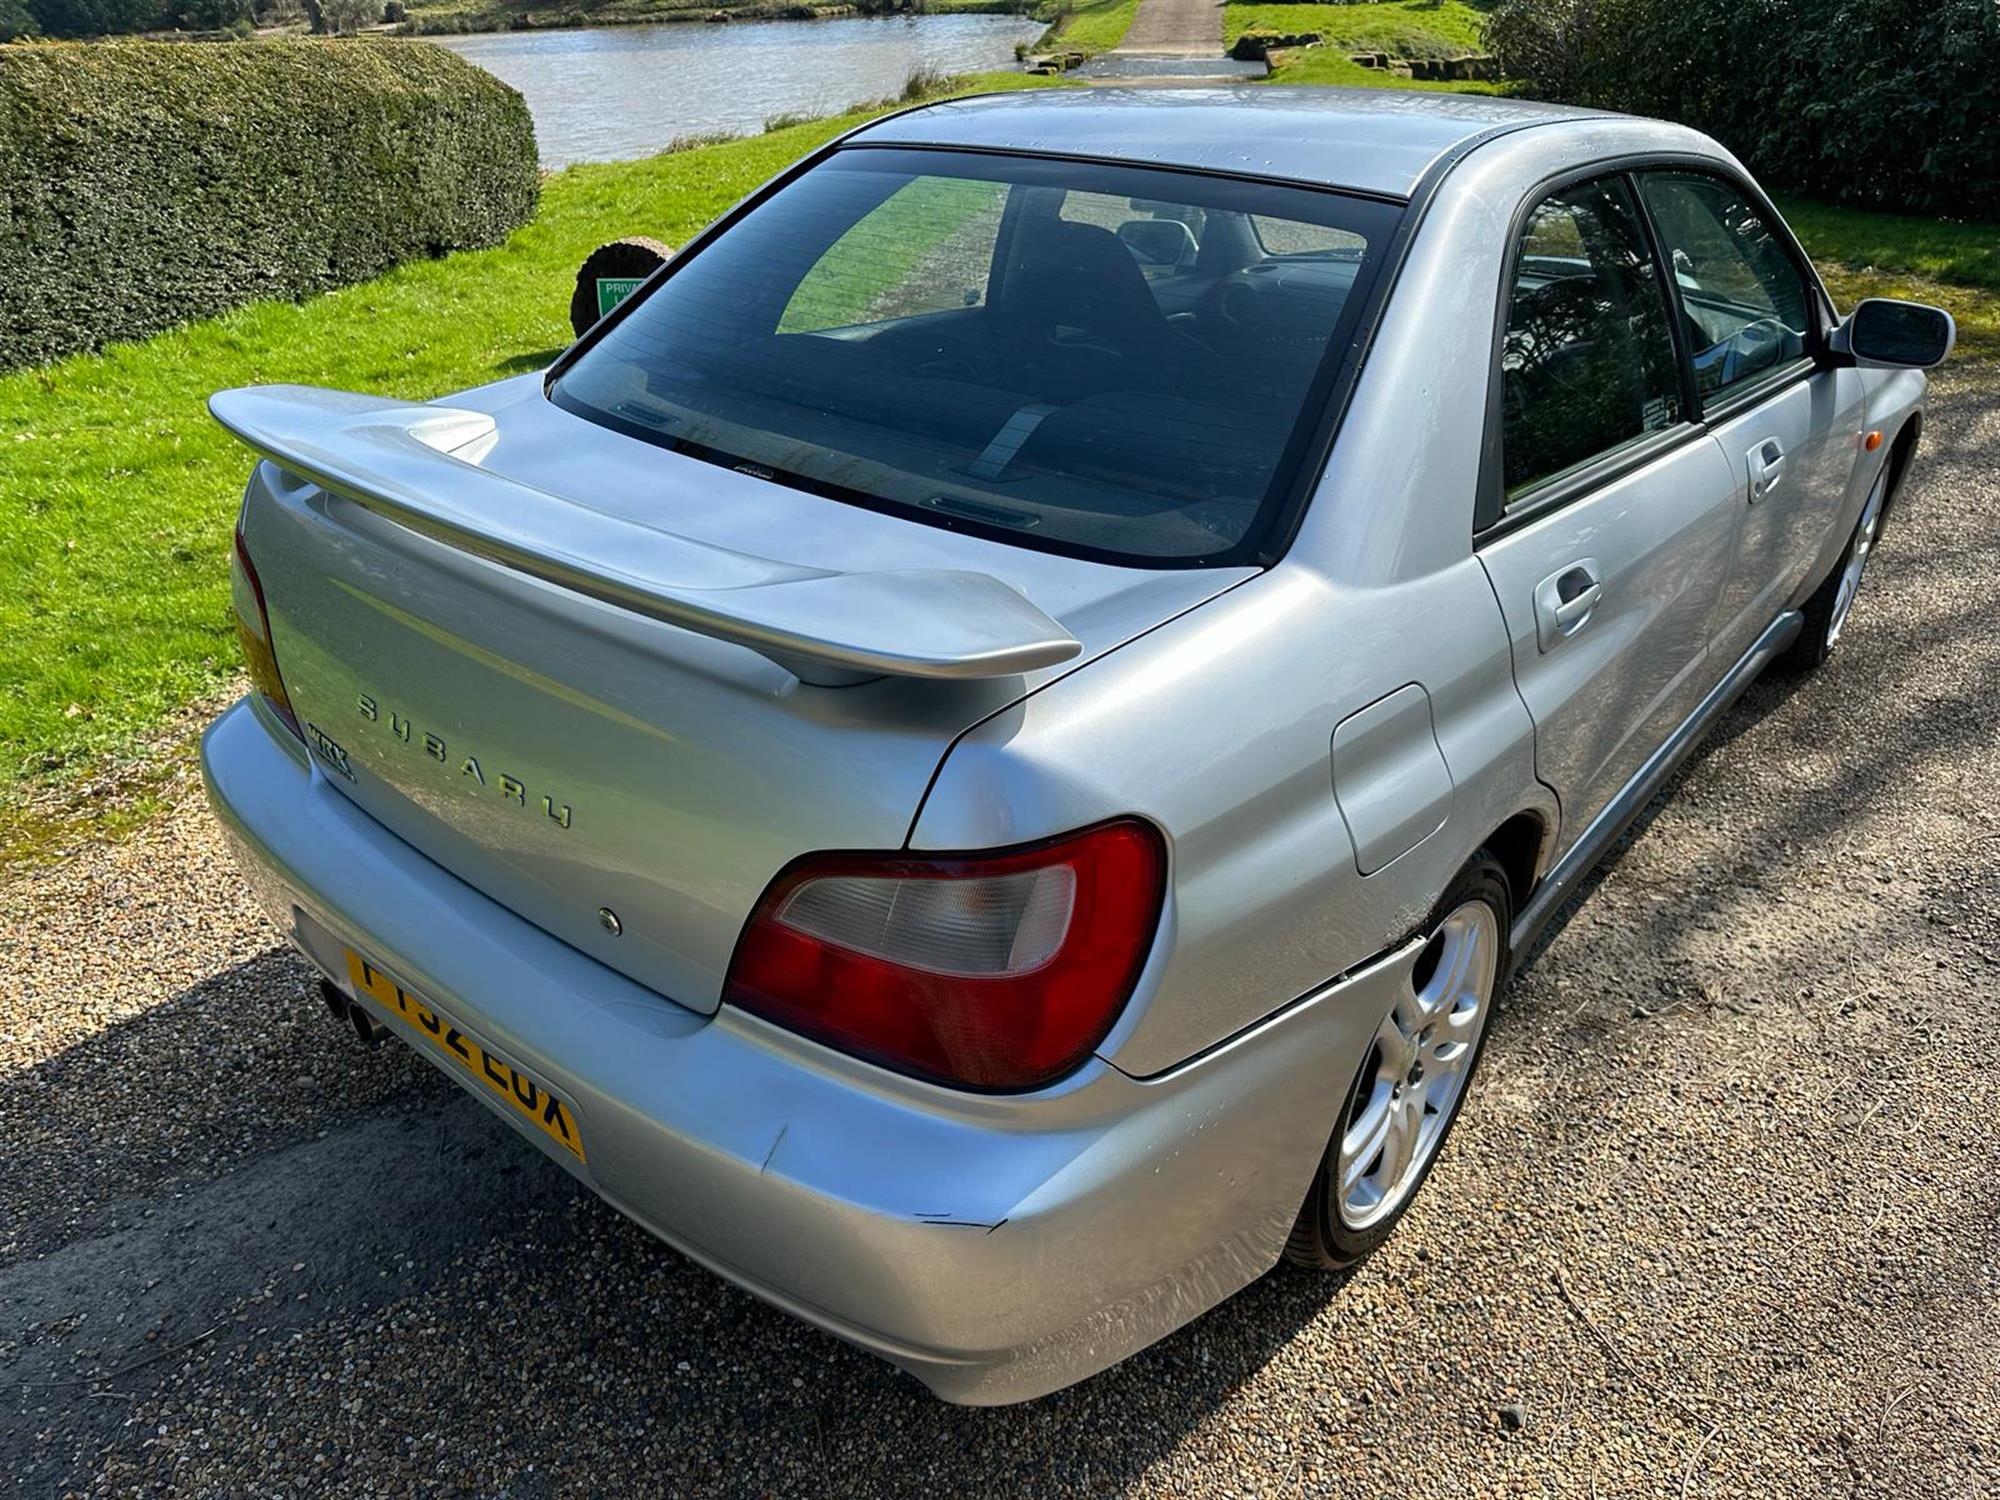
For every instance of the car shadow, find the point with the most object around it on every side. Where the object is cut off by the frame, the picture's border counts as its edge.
(355, 1180)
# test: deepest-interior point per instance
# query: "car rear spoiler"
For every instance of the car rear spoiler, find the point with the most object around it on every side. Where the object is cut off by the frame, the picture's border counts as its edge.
(414, 464)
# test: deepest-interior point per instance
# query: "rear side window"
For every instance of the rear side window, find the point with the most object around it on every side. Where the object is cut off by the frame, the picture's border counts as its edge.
(1112, 361)
(1743, 297)
(1587, 363)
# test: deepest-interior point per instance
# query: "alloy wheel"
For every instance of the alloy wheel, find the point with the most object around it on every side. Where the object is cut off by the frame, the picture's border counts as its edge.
(1415, 1074)
(1857, 560)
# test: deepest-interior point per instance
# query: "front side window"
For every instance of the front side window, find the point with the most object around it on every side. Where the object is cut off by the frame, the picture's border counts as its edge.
(1741, 291)
(1114, 361)
(1587, 364)
(1165, 238)
(1743, 296)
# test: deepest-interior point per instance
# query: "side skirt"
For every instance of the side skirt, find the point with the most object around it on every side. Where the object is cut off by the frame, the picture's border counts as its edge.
(1632, 798)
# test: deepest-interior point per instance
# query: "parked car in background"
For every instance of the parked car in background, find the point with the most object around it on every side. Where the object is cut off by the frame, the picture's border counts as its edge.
(975, 755)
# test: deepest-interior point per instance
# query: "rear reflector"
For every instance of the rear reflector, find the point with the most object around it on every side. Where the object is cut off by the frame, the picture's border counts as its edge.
(989, 971)
(253, 634)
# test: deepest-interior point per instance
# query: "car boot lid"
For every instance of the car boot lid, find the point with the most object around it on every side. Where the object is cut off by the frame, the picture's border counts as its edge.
(419, 465)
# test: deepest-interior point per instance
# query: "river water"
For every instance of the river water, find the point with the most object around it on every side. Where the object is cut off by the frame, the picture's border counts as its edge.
(612, 92)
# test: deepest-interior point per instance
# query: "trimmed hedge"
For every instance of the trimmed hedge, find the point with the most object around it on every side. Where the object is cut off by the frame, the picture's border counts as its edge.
(144, 184)
(1882, 104)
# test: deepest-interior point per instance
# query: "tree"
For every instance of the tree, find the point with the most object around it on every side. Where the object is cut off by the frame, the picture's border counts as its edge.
(86, 18)
(16, 20)
(332, 17)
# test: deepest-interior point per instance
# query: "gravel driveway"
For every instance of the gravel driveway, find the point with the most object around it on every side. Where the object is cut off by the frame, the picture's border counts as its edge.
(1723, 1217)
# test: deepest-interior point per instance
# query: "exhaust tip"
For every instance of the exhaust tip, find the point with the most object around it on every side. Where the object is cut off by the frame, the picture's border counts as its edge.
(345, 1011)
(370, 1030)
(336, 1002)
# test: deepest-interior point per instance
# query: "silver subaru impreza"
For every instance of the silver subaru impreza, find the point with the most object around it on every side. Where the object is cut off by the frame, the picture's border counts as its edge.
(974, 755)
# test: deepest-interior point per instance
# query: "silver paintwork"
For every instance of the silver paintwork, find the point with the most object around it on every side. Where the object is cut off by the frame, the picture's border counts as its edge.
(1393, 789)
(1589, 846)
(997, 1248)
(1266, 720)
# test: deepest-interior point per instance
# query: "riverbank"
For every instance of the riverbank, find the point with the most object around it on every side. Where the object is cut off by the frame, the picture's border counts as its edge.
(465, 17)
(1077, 26)
(596, 93)
(117, 492)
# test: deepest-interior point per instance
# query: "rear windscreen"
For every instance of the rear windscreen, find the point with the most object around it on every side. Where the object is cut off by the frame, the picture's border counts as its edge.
(1110, 361)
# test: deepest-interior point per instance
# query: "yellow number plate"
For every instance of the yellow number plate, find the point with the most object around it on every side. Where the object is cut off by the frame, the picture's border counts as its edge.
(535, 1104)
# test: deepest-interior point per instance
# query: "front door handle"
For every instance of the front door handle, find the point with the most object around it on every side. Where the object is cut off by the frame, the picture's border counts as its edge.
(1565, 601)
(1766, 463)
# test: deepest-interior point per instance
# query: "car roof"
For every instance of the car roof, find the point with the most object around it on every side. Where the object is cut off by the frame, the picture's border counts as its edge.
(1369, 140)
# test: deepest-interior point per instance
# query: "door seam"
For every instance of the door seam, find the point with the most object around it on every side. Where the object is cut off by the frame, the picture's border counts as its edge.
(1554, 836)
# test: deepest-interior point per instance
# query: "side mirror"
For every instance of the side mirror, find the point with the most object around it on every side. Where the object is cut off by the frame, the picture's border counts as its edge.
(1885, 334)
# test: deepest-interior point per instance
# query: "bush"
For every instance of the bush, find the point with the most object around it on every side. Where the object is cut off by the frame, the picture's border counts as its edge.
(143, 184)
(17, 20)
(923, 82)
(1567, 50)
(89, 18)
(1878, 103)
(80, 18)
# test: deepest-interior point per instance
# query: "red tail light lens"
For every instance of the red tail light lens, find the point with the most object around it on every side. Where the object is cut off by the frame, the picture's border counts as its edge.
(253, 633)
(989, 971)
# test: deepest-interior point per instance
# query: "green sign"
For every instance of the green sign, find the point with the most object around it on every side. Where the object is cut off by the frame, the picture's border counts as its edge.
(612, 290)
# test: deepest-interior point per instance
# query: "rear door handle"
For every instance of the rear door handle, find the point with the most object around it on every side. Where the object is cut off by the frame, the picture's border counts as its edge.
(1565, 601)
(1766, 463)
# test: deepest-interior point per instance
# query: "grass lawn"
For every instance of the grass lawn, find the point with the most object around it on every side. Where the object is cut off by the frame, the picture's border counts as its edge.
(1091, 26)
(1951, 263)
(1941, 249)
(1402, 28)
(117, 492)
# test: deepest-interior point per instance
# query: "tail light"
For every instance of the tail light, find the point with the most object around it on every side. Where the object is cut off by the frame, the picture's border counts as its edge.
(253, 633)
(989, 971)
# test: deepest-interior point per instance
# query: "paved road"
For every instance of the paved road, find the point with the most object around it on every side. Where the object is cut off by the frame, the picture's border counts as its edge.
(1723, 1218)
(1174, 28)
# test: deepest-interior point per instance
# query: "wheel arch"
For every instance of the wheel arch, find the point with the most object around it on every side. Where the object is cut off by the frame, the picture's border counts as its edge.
(1901, 450)
(1522, 846)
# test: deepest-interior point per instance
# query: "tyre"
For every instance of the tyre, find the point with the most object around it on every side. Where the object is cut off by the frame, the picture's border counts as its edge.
(631, 259)
(1827, 610)
(1399, 1108)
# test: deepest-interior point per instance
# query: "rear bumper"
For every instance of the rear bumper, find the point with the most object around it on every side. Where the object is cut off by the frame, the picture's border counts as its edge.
(997, 1248)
